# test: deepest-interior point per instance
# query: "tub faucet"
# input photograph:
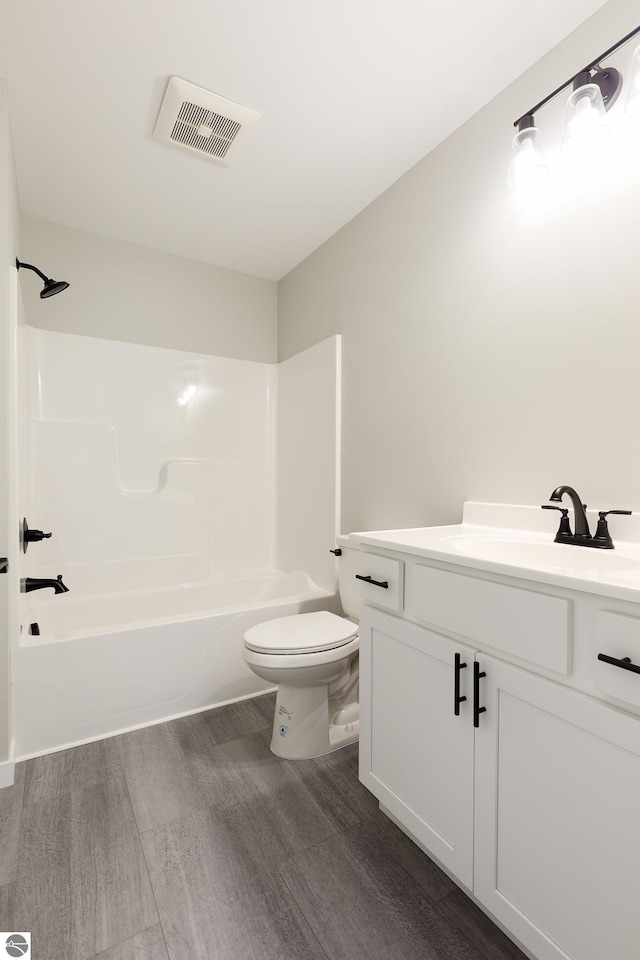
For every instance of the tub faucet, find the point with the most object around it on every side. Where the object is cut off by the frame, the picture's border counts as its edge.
(581, 524)
(33, 583)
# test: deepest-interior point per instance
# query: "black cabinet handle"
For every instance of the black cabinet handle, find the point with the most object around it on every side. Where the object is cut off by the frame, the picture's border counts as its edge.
(477, 709)
(624, 664)
(4, 564)
(457, 699)
(374, 583)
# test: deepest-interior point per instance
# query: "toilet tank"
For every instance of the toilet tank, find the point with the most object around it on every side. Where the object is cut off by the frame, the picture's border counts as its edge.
(348, 566)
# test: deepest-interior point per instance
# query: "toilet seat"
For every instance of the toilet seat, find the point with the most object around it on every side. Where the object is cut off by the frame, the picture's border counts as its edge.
(302, 633)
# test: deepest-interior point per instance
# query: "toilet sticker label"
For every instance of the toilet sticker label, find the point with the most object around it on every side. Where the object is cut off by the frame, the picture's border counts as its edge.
(285, 719)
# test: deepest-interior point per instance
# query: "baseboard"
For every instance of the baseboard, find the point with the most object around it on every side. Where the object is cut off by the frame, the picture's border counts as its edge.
(8, 768)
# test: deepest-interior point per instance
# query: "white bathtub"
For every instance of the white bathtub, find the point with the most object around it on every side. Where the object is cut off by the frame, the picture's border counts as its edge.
(107, 663)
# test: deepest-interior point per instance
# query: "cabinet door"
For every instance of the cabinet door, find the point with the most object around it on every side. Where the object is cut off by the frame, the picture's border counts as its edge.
(416, 755)
(557, 841)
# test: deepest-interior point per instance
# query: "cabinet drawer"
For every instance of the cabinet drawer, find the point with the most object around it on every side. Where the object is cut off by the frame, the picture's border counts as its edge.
(617, 636)
(382, 570)
(528, 625)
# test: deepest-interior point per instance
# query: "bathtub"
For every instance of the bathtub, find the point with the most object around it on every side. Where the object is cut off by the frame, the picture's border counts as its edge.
(106, 663)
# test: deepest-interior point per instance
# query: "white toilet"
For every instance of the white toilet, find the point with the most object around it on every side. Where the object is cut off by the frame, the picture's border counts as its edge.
(313, 658)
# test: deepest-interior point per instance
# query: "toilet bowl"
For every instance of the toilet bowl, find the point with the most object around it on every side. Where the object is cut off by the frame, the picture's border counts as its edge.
(313, 659)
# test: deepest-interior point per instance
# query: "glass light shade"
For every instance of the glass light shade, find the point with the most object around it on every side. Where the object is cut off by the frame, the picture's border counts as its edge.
(586, 128)
(632, 106)
(526, 165)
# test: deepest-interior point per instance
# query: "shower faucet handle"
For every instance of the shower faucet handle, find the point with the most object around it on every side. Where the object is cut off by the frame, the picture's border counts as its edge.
(31, 536)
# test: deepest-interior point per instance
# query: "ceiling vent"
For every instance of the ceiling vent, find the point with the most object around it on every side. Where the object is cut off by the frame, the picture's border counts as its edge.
(195, 119)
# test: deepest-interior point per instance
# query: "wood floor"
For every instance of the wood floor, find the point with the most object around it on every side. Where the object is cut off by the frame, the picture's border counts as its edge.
(190, 840)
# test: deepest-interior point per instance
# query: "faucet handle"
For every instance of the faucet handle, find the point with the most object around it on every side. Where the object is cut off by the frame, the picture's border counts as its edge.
(564, 530)
(602, 537)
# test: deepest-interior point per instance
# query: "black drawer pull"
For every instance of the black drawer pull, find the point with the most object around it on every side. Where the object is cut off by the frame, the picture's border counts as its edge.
(457, 699)
(477, 709)
(624, 664)
(374, 583)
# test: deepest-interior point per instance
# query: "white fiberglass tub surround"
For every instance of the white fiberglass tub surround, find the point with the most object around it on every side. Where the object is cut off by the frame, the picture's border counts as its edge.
(102, 665)
(176, 487)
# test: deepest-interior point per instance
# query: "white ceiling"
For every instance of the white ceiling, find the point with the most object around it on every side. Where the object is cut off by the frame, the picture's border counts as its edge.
(349, 94)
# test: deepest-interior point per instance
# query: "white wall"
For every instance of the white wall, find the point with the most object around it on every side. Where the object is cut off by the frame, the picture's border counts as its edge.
(120, 291)
(9, 233)
(308, 461)
(486, 355)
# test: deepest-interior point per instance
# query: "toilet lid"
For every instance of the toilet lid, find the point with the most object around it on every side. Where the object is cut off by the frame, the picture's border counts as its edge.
(301, 633)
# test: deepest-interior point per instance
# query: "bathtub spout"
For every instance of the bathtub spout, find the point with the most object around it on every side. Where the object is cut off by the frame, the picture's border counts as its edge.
(33, 583)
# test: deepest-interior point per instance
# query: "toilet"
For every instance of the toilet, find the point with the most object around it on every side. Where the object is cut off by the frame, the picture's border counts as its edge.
(313, 659)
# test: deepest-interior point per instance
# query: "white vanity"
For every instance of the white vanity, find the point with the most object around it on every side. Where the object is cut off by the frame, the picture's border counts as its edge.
(493, 734)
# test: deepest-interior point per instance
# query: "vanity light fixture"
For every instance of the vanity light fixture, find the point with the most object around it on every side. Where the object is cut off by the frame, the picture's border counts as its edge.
(51, 287)
(526, 165)
(595, 90)
(586, 126)
(632, 106)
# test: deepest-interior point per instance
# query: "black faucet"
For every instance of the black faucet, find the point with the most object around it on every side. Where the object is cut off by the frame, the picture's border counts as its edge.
(581, 524)
(581, 537)
(32, 583)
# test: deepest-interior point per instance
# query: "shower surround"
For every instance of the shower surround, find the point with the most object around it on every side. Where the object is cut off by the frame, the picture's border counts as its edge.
(175, 486)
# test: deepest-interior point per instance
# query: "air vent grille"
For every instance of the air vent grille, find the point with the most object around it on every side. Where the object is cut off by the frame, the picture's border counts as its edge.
(196, 119)
(204, 129)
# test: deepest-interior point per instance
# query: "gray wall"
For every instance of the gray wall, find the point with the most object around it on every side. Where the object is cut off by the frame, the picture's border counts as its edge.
(121, 291)
(486, 355)
(8, 332)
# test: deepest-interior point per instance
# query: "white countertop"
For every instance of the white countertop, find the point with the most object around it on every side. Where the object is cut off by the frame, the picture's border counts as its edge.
(518, 541)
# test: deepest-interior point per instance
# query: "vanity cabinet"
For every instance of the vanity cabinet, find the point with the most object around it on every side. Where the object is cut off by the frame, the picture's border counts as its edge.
(556, 829)
(416, 755)
(535, 811)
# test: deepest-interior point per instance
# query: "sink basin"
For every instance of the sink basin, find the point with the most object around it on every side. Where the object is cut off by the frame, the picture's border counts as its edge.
(521, 553)
(610, 565)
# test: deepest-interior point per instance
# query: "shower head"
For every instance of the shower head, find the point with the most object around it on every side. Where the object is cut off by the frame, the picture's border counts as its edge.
(51, 287)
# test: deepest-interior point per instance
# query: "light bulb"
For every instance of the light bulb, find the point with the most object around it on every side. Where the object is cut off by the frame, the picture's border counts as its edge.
(586, 126)
(526, 165)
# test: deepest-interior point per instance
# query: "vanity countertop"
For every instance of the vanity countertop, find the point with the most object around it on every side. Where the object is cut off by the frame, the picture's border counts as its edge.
(518, 541)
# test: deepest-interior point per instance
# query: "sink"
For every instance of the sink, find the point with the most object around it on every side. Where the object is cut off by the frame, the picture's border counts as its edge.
(520, 553)
(610, 565)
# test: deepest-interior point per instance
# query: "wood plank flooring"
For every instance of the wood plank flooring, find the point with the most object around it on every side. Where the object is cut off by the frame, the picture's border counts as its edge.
(190, 840)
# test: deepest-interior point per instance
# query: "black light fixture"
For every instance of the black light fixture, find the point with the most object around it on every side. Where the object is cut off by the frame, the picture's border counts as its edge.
(595, 90)
(51, 287)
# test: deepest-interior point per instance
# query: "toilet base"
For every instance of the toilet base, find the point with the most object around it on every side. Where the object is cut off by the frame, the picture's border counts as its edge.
(301, 727)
